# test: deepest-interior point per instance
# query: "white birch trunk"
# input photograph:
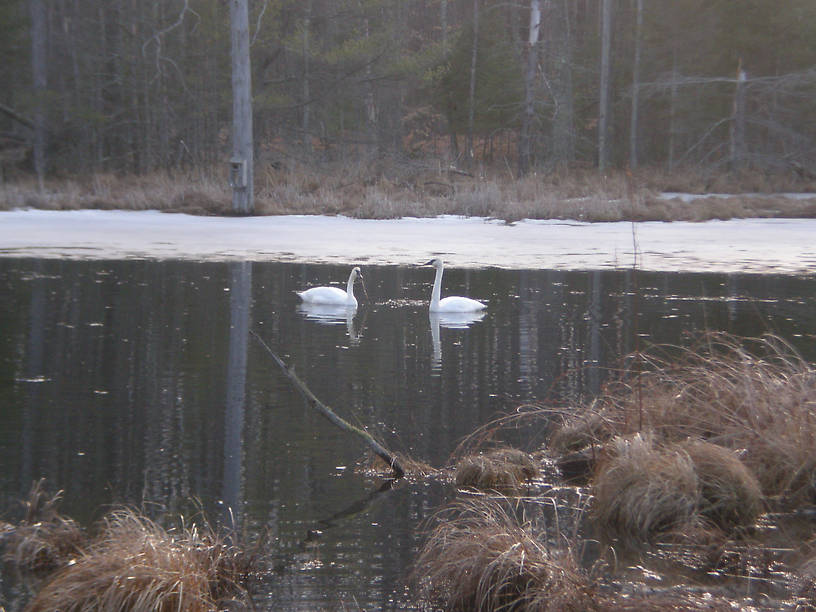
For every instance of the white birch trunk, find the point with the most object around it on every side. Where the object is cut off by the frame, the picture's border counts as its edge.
(525, 141)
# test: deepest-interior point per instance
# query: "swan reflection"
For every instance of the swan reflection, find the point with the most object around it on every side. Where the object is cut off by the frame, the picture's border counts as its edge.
(332, 314)
(451, 320)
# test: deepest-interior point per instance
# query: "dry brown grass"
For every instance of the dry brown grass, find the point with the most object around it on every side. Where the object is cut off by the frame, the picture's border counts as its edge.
(137, 565)
(506, 470)
(383, 190)
(43, 539)
(646, 490)
(730, 495)
(643, 491)
(480, 557)
(757, 396)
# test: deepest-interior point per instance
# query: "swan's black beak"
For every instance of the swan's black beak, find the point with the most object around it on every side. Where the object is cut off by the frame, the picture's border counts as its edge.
(428, 263)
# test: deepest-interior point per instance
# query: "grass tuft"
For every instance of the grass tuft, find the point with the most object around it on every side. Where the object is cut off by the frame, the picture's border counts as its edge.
(137, 565)
(503, 469)
(480, 557)
(43, 539)
(751, 395)
(643, 491)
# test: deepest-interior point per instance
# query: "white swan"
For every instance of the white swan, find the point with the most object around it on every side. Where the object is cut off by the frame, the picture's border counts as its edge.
(452, 303)
(333, 295)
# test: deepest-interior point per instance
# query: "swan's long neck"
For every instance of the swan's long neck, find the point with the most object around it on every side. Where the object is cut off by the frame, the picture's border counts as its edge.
(350, 287)
(437, 289)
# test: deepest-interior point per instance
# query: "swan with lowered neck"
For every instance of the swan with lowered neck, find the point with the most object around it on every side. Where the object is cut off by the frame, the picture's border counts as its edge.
(333, 295)
(452, 303)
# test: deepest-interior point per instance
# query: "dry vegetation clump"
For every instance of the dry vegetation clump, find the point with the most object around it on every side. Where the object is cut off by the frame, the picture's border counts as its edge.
(756, 396)
(503, 469)
(480, 557)
(730, 495)
(137, 565)
(43, 539)
(643, 490)
(392, 188)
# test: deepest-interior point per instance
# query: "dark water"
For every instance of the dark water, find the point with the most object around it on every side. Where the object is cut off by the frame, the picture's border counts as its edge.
(136, 382)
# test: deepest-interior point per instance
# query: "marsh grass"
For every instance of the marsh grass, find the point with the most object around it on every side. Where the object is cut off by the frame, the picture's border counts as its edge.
(404, 188)
(480, 557)
(43, 539)
(643, 491)
(646, 490)
(507, 470)
(137, 565)
(756, 396)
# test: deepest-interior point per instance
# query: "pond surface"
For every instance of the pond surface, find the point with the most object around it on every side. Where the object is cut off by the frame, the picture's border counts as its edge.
(136, 382)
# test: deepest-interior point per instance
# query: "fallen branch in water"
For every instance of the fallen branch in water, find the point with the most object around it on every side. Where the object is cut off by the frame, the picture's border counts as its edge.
(382, 452)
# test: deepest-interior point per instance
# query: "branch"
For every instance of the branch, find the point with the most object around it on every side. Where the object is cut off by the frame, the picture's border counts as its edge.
(327, 412)
(16, 116)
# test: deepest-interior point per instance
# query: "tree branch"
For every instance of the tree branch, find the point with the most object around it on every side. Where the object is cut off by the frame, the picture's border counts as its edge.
(327, 412)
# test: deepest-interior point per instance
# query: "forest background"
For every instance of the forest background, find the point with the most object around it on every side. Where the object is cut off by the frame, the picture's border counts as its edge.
(381, 108)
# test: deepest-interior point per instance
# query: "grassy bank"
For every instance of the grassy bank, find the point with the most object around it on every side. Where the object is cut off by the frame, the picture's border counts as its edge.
(425, 189)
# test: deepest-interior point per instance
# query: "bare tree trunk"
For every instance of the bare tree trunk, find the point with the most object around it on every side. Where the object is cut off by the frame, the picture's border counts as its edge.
(673, 109)
(605, 85)
(633, 123)
(307, 24)
(525, 146)
(563, 132)
(737, 132)
(443, 20)
(472, 89)
(39, 70)
(241, 170)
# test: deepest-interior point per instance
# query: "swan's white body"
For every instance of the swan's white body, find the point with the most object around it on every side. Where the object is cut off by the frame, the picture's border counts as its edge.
(452, 303)
(333, 295)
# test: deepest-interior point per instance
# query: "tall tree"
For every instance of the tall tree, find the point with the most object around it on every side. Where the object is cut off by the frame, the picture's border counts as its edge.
(472, 87)
(528, 118)
(39, 71)
(242, 154)
(633, 121)
(563, 120)
(605, 85)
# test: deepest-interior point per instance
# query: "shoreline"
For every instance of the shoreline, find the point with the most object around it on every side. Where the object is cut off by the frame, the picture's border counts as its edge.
(779, 245)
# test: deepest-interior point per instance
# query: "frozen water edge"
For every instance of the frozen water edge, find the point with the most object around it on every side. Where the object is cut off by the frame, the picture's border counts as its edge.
(785, 246)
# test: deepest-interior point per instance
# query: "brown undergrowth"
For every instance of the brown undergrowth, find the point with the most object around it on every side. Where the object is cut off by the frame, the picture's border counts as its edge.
(43, 539)
(481, 557)
(131, 564)
(134, 564)
(755, 396)
(429, 188)
(507, 470)
(700, 486)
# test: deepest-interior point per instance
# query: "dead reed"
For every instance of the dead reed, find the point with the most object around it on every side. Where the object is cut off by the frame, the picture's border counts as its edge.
(137, 565)
(502, 469)
(400, 188)
(646, 490)
(43, 539)
(730, 495)
(480, 557)
(753, 395)
(643, 491)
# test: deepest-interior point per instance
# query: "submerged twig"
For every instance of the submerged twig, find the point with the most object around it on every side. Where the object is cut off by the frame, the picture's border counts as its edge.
(378, 449)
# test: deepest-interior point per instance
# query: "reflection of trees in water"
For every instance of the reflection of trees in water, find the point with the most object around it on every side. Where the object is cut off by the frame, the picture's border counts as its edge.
(138, 359)
(240, 306)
